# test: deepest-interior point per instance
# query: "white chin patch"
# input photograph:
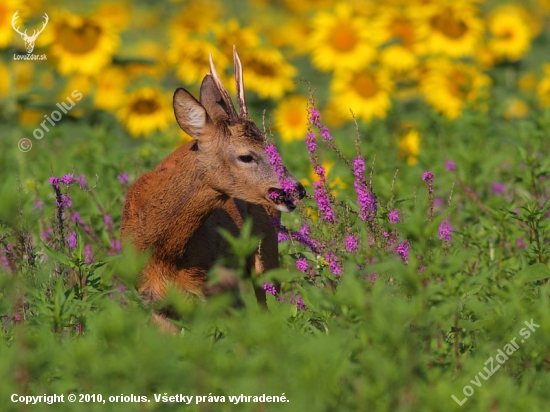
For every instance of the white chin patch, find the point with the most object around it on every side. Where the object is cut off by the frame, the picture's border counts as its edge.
(283, 208)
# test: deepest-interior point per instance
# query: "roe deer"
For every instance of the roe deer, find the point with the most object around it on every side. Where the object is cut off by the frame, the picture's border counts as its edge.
(213, 182)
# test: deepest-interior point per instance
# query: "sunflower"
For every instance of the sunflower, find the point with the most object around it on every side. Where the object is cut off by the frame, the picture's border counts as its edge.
(82, 44)
(267, 73)
(409, 146)
(341, 40)
(145, 111)
(449, 87)
(292, 32)
(515, 109)
(543, 88)
(115, 14)
(190, 58)
(198, 16)
(7, 10)
(399, 28)
(231, 34)
(5, 80)
(511, 36)
(450, 28)
(366, 92)
(110, 86)
(291, 118)
(24, 75)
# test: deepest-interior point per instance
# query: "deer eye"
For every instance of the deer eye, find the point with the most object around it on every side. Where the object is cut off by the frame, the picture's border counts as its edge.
(246, 158)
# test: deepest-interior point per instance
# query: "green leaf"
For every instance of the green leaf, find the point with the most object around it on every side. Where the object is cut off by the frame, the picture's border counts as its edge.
(532, 273)
(57, 256)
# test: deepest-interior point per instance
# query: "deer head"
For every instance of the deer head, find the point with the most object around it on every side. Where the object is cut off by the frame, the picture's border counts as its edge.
(229, 146)
(29, 40)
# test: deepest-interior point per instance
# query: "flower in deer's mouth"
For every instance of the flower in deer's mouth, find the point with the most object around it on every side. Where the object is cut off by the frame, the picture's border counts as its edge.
(450, 87)
(510, 33)
(268, 73)
(365, 92)
(190, 58)
(341, 40)
(82, 44)
(291, 118)
(451, 29)
(145, 111)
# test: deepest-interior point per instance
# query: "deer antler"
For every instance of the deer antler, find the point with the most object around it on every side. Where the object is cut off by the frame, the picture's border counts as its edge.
(15, 16)
(240, 83)
(225, 96)
(36, 33)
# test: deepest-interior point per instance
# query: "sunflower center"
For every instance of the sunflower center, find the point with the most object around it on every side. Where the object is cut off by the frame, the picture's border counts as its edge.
(294, 118)
(144, 106)
(403, 29)
(343, 38)
(262, 69)
(507, 34)
(81, 39)
(459, 84)
(449, 25)
(365, 84)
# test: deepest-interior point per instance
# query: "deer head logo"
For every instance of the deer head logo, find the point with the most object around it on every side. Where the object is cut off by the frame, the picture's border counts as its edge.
(29, 40)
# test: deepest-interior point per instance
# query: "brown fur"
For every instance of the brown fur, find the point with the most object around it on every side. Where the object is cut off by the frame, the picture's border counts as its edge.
(175, 210)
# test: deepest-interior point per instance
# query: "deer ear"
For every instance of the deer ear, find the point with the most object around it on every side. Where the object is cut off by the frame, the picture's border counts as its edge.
(190, 114)
(213, 101)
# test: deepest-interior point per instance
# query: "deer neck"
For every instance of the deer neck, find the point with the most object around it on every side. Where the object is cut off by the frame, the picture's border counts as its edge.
(185, 202)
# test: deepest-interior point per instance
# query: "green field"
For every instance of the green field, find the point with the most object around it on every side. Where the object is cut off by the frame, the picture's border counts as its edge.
(414, 275)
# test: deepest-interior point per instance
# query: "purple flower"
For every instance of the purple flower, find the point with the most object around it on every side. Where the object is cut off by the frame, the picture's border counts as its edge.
(298, 301)
(325, 134)
(402, 250)
(351, 244)
(75, 217)
(67, 179)
(72, 240)
(365, 198)
(302, 265)
(311, 142)
(269, 288)
(449, 165)
(65, 202)
(445, 230)
(108, 221)
(499, 188)
(123, 178)
(5, 262)
(54, 181)
(333, 264)
(393, 216)
(428, 177)
(275, 159)
(115, 246)
(371, 276)
(323, 202)
(520, 244)
(81, 181)
(315, 116)
(38, 205)
(88, 254)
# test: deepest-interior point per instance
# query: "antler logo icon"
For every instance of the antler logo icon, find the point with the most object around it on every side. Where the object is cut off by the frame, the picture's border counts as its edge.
(29, 40)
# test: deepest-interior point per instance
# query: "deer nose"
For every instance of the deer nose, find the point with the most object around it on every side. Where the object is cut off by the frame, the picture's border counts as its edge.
(300, 190)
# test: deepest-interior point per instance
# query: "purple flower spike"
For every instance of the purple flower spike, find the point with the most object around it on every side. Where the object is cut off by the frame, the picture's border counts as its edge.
(450, 165)
(365, 198)
(123, 178)
(302, 265)
(269, 288)
(393, 216)
(351, 244)
(428, 177)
